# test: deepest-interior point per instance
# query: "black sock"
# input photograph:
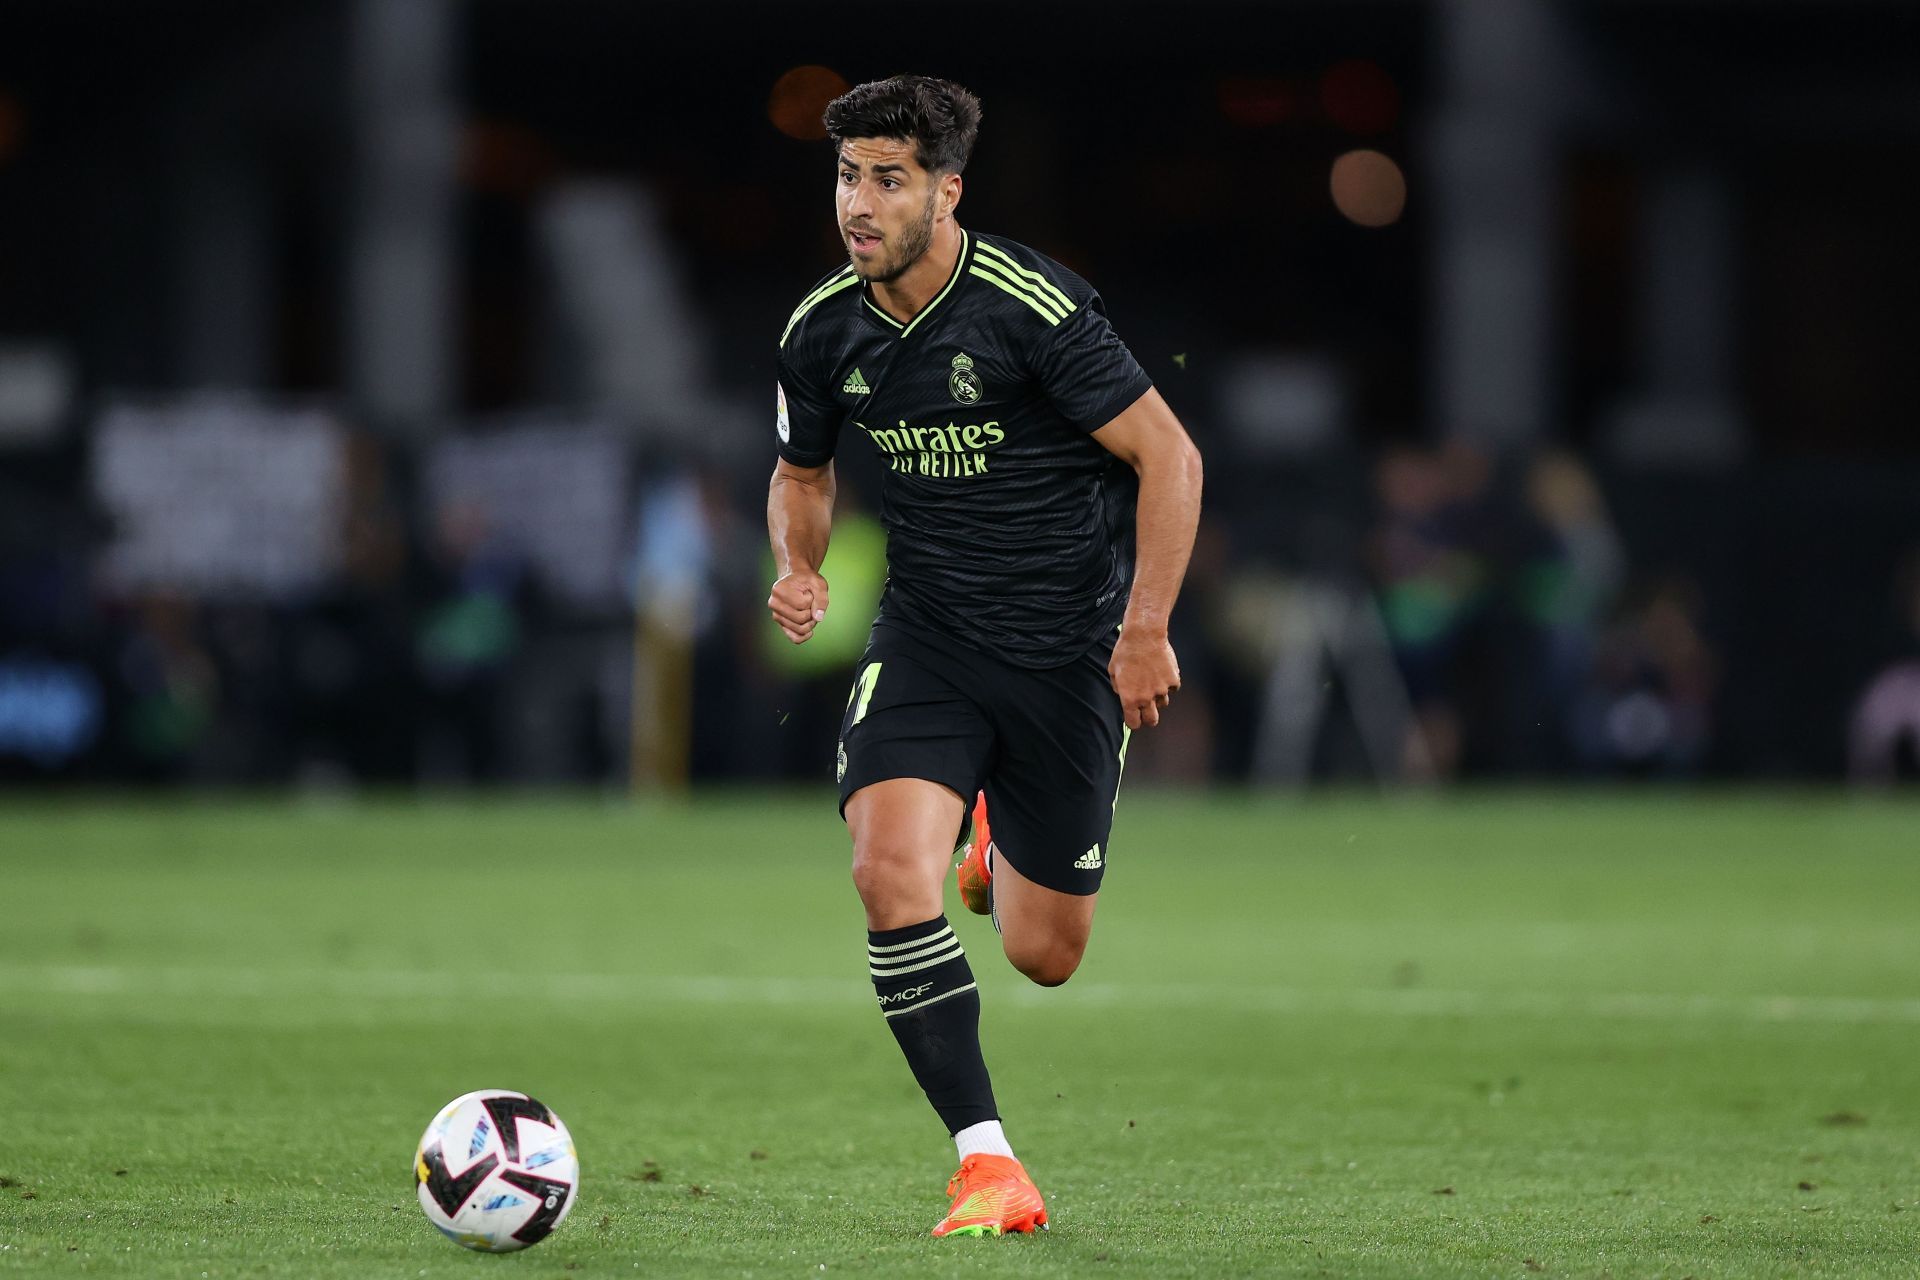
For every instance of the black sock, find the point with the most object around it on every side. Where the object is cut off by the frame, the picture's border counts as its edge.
(926, 992)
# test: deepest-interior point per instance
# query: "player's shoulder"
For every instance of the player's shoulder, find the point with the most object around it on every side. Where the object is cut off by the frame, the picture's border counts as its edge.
(808, 314)
(1028, 282)
(1006, 252)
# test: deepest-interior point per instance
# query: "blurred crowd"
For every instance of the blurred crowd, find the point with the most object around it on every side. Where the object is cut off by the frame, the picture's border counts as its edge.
(1419, 613)
(1484, 620)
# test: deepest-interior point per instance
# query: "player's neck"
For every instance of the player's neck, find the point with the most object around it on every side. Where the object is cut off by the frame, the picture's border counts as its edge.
(905, 296)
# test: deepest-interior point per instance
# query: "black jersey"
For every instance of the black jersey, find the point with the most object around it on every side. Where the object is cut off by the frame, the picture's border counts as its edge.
(1008, 526)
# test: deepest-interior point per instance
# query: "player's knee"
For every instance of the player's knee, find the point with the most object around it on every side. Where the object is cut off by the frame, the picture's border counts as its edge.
(873, 873)
(885, 876)
(1048, 963)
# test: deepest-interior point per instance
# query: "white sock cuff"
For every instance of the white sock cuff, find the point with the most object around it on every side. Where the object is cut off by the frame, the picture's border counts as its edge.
(985, 1138)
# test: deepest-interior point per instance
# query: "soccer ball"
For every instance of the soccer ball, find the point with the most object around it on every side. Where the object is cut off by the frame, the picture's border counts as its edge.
(497, 1171)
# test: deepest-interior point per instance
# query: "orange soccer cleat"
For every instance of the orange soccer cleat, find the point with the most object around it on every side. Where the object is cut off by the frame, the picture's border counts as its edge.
(975, 872)
(992, 1195)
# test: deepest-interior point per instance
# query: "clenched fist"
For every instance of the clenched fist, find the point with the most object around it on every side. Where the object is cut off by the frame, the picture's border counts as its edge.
(798, 602)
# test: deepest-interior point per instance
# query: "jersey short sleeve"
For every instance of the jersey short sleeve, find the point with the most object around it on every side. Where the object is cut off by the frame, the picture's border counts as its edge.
(1086, 370)
(808, 423)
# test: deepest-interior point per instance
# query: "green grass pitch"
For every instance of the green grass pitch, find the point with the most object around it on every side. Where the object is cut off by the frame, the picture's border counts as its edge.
(1553, 1033)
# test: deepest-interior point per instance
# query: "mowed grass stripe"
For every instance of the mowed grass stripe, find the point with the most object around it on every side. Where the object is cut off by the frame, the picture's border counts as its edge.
(616, 989)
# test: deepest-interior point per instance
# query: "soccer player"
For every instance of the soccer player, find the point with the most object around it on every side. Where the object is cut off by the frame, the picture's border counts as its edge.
(1040, 500)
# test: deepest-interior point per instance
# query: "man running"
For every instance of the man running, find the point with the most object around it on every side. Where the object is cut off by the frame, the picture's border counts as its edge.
(1040, 501)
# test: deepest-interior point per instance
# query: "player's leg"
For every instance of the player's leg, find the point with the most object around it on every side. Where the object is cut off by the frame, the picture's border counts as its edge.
(1051, 797)
(903, 832)
(1049, 929)
(1043, 931)
(911, 746)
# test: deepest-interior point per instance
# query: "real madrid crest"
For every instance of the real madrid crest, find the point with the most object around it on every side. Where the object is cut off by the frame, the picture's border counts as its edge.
(965, 383)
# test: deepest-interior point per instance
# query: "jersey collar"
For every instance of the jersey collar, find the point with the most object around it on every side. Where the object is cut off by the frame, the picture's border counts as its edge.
(899, 330)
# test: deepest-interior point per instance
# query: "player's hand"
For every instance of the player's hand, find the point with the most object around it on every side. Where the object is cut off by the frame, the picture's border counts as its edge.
(1145, 674)
(798, 602)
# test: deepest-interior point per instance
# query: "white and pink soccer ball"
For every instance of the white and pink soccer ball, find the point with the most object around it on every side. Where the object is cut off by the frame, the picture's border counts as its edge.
(496, 1171)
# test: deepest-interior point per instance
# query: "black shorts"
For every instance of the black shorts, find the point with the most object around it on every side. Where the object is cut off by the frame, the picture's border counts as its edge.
(1047, 746)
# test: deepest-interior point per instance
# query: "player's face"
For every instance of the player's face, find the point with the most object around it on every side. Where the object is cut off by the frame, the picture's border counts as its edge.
(885, 202)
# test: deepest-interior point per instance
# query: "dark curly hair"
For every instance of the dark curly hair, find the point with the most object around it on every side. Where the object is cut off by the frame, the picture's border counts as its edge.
(939, 117)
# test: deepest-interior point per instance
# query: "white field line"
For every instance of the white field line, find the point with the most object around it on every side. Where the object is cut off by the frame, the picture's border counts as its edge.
(296, 985)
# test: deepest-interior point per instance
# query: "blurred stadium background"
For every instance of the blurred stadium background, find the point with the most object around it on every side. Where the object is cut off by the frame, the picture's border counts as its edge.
(385, 385)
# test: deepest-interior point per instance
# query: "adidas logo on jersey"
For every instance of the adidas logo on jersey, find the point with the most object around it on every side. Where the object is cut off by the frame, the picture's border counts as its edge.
(856, 385)
(1088, 861)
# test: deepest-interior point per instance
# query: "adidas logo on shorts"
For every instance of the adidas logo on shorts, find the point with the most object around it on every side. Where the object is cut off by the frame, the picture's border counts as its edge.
(1088, 861)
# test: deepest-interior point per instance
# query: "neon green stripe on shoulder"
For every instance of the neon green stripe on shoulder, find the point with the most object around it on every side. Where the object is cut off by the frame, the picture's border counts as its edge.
(1017, 285)
(1000, 282)
(1026, 275)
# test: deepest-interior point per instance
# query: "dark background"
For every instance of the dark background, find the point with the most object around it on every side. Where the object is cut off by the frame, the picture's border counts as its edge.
(1656, 254)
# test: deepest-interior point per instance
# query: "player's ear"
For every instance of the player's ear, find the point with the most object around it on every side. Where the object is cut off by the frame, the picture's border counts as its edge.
(949, 194)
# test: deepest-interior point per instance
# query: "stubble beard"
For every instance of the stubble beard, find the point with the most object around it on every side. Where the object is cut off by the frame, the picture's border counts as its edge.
(915, 240)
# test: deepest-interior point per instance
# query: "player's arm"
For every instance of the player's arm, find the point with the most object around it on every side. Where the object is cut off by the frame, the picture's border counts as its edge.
(1147, 437)
(799, 521)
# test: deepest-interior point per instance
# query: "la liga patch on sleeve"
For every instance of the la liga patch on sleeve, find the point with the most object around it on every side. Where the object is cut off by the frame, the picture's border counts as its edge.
(780, 424)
